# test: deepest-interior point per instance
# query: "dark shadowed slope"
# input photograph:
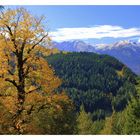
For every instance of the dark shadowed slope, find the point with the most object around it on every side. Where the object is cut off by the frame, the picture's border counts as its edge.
(99, 82)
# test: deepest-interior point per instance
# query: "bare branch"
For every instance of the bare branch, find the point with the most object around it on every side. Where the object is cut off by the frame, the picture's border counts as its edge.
(37, 43)
(10, 72)
(13, 38)
(18, 18)
(9, 29)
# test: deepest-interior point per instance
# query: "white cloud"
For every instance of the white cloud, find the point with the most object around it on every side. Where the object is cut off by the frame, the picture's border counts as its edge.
(95, 32)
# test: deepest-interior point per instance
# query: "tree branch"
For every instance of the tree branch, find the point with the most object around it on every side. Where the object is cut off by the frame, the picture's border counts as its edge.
(12, 81)
(30, 110)
(26, 71)
(10, 72)
(13, 38)
(18, 18)
(37, 43)
(33, 90)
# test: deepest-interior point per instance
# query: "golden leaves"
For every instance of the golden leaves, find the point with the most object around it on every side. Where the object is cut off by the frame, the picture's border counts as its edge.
(22, 66)
(34, 98)
(9, 102)
(22, 32)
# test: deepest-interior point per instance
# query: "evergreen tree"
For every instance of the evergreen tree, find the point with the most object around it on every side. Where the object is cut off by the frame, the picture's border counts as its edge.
(132, 125)
(108, 127)
(95, 81)
(84, 122)
(97, 127)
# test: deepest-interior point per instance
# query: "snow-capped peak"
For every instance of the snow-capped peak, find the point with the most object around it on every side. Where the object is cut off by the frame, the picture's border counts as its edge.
(101, 46)
(126, 43)
(120, 44)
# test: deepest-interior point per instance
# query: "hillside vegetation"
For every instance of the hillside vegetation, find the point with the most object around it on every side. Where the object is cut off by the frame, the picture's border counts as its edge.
(100, 82)
(72, 93)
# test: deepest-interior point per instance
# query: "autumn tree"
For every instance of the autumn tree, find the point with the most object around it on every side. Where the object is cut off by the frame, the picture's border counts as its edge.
(84, 122)
(57, 118)
(107, 130)
(23, 72)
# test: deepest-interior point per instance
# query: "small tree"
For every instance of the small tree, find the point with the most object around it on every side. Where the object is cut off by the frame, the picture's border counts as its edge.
(108, 127)
(132, 114)
(132, 124)
(22, 71)
(84, 122)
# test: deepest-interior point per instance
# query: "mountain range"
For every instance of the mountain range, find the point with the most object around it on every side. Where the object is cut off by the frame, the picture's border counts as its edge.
(126, 51)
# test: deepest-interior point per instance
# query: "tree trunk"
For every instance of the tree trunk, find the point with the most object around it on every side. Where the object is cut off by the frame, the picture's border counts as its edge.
(21, 94)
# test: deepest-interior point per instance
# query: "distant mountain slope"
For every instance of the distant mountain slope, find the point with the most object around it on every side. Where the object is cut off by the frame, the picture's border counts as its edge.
(127, 52)
(73, 46)
(99, 82)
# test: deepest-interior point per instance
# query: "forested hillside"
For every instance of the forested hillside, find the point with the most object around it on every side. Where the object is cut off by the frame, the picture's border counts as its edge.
(127, 51)
(98, 82)
(46, 91)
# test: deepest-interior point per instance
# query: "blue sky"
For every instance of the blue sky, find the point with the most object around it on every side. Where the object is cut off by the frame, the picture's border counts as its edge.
(93, 24)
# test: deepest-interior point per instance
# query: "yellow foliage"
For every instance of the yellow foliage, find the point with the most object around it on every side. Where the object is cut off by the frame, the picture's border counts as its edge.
(9, 103)
(121, 72)
(109, 122)
(27, 82)
(21, 39)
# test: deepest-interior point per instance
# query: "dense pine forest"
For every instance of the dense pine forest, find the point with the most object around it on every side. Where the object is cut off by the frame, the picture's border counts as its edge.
(45, 91)
(104, 91)
(98, 82)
